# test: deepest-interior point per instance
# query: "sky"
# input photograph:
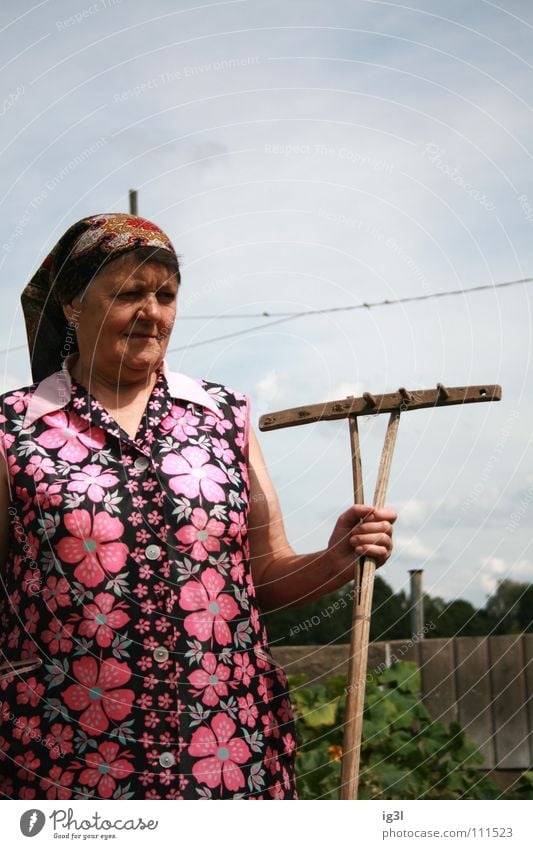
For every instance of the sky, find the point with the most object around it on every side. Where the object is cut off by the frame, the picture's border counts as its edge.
(308, 156)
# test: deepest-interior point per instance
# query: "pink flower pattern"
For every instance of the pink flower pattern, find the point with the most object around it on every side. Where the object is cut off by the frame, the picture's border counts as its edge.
(71, 435)
(200, 538)
(105, 767)
(194, 474)
(144, 613)
(92, 480)
(98, 693)
(102, 618)
(224, 754)
(212, 608)
(211, 679)
(93, 545)
(181, 423)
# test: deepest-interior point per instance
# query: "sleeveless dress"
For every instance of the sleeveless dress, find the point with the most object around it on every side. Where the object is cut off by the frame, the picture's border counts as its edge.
(134, 660)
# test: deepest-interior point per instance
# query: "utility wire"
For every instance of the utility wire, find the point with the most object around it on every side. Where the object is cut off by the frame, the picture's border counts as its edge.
(280, 318)
(289, 317)
(365, 305)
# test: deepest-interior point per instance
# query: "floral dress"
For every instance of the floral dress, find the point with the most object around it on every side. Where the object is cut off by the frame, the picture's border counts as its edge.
(135, 661)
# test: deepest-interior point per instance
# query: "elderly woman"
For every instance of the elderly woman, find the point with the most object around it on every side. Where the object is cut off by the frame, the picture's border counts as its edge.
(140, 537)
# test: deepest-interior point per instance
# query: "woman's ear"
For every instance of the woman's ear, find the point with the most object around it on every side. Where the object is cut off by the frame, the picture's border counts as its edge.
(70, 312)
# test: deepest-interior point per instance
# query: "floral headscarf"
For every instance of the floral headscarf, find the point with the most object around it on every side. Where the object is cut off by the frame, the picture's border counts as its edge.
(68, 269)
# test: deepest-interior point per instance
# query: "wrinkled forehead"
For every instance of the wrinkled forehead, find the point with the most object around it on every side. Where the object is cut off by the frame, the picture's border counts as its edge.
(132, 269)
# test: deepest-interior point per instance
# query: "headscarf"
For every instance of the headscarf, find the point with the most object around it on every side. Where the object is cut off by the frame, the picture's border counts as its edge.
(68, 269)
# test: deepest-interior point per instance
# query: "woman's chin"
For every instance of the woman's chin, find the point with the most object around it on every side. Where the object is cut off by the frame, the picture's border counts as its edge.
(142, 356)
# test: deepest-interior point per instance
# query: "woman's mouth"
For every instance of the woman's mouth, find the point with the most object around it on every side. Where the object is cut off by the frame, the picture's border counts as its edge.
(142, 336)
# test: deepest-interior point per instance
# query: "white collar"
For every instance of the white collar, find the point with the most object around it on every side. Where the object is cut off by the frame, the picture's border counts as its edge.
(54, 392)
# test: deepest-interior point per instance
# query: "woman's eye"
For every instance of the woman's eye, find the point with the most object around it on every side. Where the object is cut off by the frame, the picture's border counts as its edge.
(164, 297)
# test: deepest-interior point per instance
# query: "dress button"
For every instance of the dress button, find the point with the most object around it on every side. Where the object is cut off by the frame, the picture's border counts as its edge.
(141, 463)
(167, 760)
(152, 552)
(160, 654)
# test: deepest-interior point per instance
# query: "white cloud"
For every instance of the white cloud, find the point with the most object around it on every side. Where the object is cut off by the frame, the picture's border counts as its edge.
(522, 571)
(492, 570)
(269, 392)
(345, 389)
(495, 569)
(413, 513)
(412, 548)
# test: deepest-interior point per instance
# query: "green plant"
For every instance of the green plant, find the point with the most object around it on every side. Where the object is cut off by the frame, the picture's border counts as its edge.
(523, 788)
(405, 754)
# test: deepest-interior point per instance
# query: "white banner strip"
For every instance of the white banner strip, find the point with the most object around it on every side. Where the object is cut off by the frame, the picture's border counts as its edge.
(313, 825)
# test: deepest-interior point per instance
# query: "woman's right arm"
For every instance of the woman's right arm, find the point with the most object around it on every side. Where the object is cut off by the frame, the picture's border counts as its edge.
(4, 515)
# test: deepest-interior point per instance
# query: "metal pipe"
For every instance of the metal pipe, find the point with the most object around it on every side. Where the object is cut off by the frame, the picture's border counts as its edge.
(417, 604)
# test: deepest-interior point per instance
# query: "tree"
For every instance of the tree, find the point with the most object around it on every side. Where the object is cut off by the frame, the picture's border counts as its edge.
(328, 619)
(525, 610)
(509, 610)
(390, 613)
(506, 608)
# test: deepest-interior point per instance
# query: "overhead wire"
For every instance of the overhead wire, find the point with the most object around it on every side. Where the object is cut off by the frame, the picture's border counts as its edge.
(280, 318)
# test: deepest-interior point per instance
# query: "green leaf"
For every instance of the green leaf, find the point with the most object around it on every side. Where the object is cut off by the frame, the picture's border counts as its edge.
(322, 715)
(405, 754)
(336, 685)
(405, 675)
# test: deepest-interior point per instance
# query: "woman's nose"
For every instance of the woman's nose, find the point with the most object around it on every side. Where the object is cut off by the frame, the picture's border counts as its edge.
(151, 308)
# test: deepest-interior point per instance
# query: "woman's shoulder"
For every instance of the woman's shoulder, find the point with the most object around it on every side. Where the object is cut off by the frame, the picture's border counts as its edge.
(221, 392)
(182, 385)
(13, 408)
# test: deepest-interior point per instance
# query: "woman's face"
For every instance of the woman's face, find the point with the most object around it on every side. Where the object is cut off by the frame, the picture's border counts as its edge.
(125, 318)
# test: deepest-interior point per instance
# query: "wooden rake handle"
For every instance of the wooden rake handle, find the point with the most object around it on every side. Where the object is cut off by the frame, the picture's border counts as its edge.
(362, 608)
